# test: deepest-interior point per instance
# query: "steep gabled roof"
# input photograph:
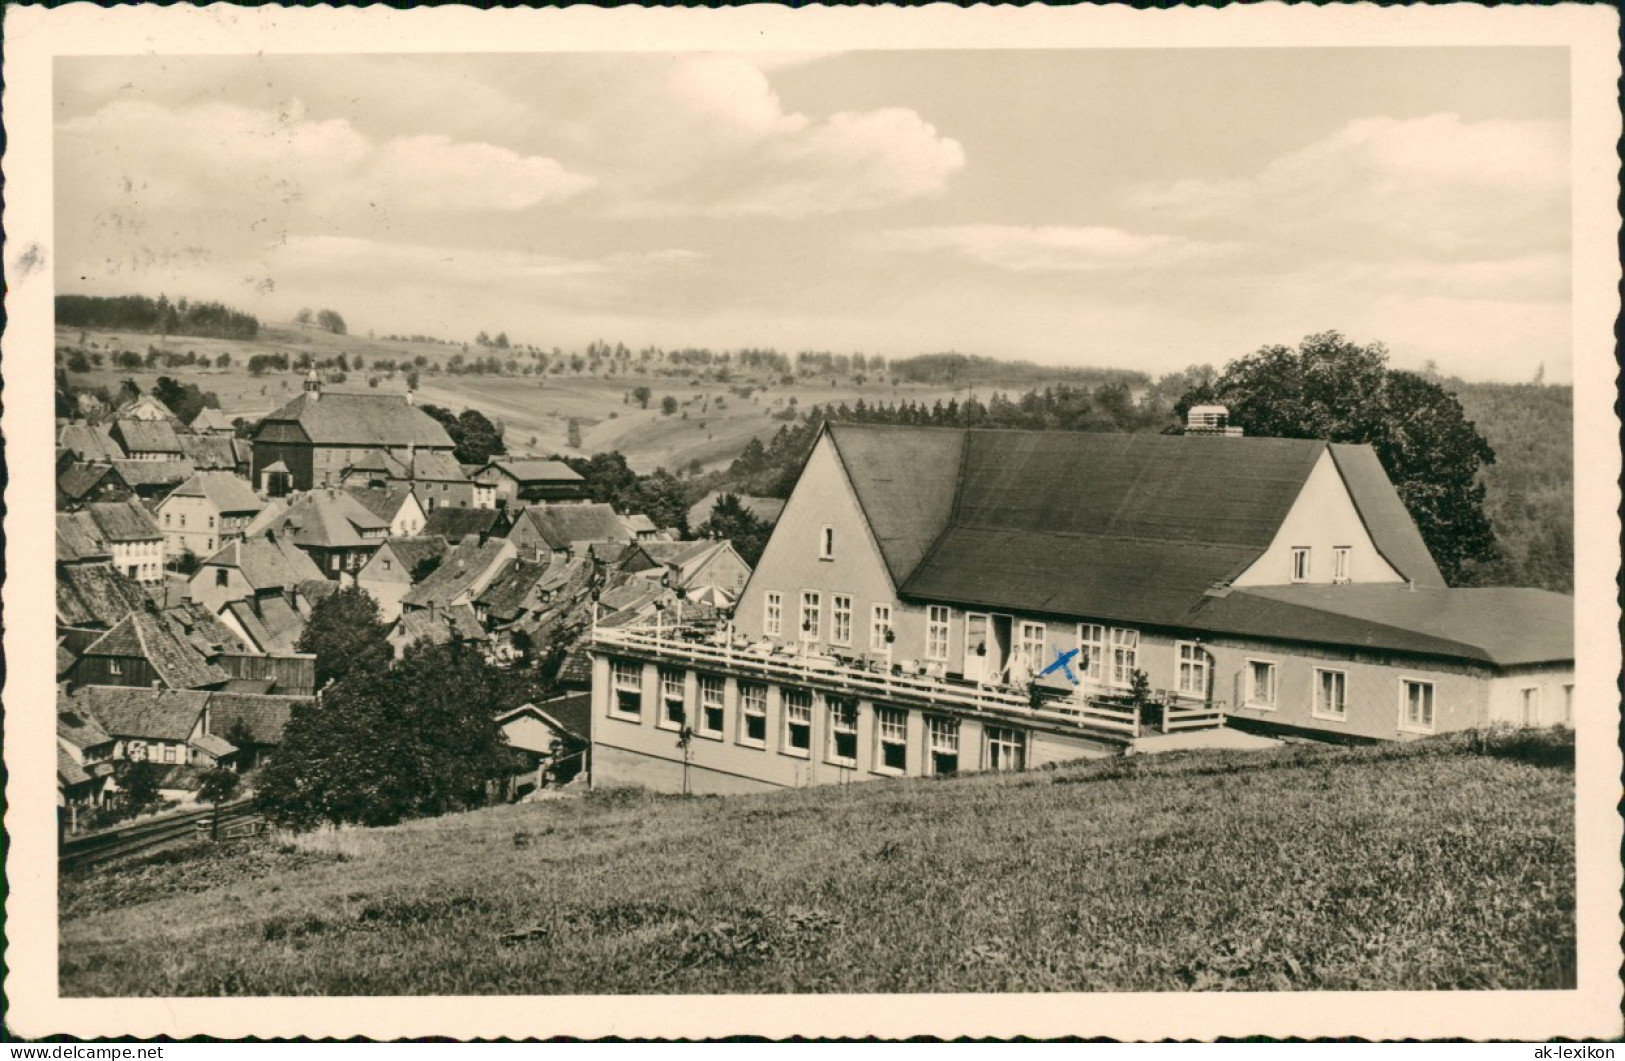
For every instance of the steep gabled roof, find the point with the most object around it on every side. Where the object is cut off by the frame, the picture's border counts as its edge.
(225, 491)
(363, 420)
(505, 597)
(79, 729)
(77, 480)
(413, 551)
(138, 473)
(123, 521)
(904, 479)
(382, 501)
(89, 442)
(267, 564)
(146, 407)
(271, 623)
(211, 452)
(210, 419)
(140, 635)
(441, 627)
(147, 436)
(79, 539)
(141, 714)
(328, 518)
(461, 569)
(436, 466)
(194, 624)
(562, 526)
(377, 462)
(571, 715)
(95, 595)
(455, 524)
(1392, 530)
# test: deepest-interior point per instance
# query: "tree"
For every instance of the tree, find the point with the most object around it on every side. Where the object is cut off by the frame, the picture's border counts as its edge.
(1330, 388)
(414, 739)
(185, 400)
(668, 405)
(347, 636)
(304, 315)
(139, 785)
(501, 341)
(127, 392)
(477, 438)
(732, 521)
(425, 567)
(573, 434)
(641, 395)
(330, 320)
(218, 784)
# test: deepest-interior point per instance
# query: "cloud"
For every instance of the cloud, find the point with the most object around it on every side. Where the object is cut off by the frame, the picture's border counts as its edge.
(434, 173)
(1051, 248)
(1381, 186)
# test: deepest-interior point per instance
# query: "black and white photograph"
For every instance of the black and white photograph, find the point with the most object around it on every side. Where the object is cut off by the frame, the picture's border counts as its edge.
(600, 505)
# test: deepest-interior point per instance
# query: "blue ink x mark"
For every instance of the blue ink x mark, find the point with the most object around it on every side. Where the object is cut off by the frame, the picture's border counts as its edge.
(1063, 662)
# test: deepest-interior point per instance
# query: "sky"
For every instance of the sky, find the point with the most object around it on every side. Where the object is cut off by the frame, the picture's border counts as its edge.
(1144, 208)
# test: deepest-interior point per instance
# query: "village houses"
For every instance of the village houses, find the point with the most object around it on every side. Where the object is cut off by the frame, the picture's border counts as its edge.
(205, 512)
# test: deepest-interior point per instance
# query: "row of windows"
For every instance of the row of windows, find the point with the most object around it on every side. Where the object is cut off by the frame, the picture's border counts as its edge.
(1002, 748)
(1342, 559)
(840, 614)
(182, 515)
(1416, 697)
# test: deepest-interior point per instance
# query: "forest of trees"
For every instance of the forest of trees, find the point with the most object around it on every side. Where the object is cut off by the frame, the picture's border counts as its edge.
(158, 316)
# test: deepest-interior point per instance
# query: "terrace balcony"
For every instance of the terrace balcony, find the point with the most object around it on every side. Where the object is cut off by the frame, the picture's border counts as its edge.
(1110, 716)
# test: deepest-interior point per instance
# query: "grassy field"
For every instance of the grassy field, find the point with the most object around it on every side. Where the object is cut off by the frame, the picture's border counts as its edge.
(1444, 864)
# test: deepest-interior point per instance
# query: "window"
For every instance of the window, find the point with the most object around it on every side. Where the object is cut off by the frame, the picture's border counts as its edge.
(1004, 749)
(942, 740)
(891, 728)
(1416, 706)
(797, 721)
(753, 715)
(936, 632)
(811, 621)
(386, 563)
(1092, 649)
(166, 519)
(220, 576)
(673, 710)
(1193, 669)
(773, 615)
(1300, 564)
(711, 705)
(115, 667)
(1260, 684)
(826, 543)
(1531, 706)
(1125, 655)
(1340, 563)
(1031, 646)
(183, 519)
(210, 545)
(1568, 705)
(211, 523)
(169, 753)
(626, 684)
(843, 731)
(879, 625)
(1331, 694)
(840, 614)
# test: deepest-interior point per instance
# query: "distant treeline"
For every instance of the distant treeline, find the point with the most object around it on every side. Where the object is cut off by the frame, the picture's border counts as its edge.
(955, 369)
(138, 313)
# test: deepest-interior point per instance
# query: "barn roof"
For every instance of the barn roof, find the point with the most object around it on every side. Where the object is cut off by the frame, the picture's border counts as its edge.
(562, 526)
(203, 630)
(140, 635)
(225, 491)
(89, 442)
(79, 729)
(209, 744)
(436, 465)
(265, 716)
(336, 418)
(212, 452)
(536, 470)
(123, 521)
(145, 714)
(147, 436)
(138, 473)
(271, 623)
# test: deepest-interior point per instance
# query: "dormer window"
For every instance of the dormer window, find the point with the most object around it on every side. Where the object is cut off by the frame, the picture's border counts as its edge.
(826, 543)
(1300, 564)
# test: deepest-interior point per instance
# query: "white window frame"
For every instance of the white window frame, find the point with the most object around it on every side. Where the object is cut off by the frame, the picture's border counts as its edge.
(773, 613)
(1406, 684)
(665, 699)
(1524, 700)
(797, 707)
(842, 715)
(938, 631)
(840, 618)
(712, 684)
(625, 676)
(1000, 744)
(942, 735)
(1568, 704)
(1125, 648)
(1300, 563)
(1031, 640)
(1250, 686)
(826, 542)
(1317, 709)
(879, 623)
(1092, 646)
(1342, 563)
(811, 615)
(891, 728)
(1191, 658)
(752, 704)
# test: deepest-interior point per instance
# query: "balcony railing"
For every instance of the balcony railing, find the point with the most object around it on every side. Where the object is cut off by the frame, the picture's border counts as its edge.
(1112, 718)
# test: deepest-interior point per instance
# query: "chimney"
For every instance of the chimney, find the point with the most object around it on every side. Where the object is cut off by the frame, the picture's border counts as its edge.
(1210, 420)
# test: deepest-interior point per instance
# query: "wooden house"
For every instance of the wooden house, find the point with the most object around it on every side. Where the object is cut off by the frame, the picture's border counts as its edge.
(143, 651)
(526, 480)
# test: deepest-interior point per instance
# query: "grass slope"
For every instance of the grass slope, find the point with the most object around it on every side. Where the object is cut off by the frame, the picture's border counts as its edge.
(1445, 864)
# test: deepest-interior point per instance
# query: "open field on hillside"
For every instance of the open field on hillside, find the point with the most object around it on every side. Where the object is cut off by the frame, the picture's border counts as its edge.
(1443, 864)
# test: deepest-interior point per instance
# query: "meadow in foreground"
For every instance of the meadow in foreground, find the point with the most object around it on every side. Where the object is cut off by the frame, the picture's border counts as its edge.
(1444, 864)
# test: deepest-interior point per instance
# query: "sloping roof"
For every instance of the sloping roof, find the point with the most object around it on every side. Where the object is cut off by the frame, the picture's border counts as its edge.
(328, 518)
(265, 716)
(225, 491)
(145, 636)
(1502, 625)
(536, 470)
(147, 436)
(79, 729)
(213, 452)
(459, 570)
(270, 622)
(95, 595)
(69, 772)
(265, 564)
(147, 407)
(572, 714)
(455, 524)
(138, 473)
(145, 714)
(437, 465)
(678, 554)
(904, 479)
(209, 419)
(413, 551)
(1391, 528)
(505, 597)
(123, 521)
(638, 523)
(766, 509)
(78, 538)
(209, 744)
(363, 420)
(77, 480)
(561, 526)
(194, 624)
(438, 628)
(382, 501)
(90, 442)
(377, 461)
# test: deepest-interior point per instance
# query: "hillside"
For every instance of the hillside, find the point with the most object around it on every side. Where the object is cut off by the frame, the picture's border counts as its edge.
(1443, 864)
